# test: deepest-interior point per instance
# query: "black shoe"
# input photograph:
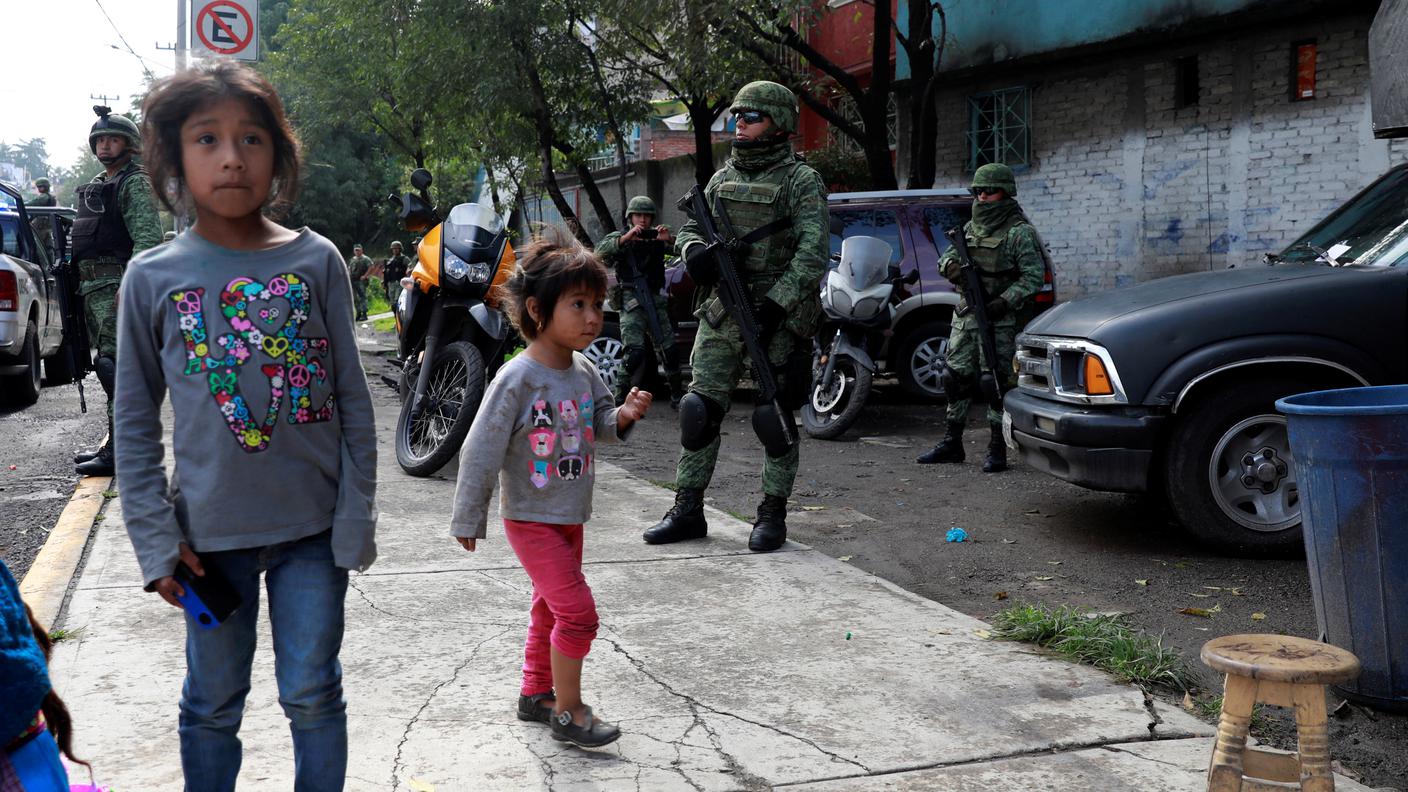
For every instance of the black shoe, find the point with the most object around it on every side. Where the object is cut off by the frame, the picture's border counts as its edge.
(532, 708)
(84, 456)
(684, 520)
(996, 460)
(100, 465)
(770, 529)
(950, 449)
(592, 734)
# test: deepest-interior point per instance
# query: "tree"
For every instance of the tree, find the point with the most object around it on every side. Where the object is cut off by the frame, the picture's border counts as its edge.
(676, 44)
(31, 155)
(81, 172)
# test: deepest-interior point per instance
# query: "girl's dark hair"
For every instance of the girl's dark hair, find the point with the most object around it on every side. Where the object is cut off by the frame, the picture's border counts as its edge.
(551, 264)
(174, 99)
(59, 722)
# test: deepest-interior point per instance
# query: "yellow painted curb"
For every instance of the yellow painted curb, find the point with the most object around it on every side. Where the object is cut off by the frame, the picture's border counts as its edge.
(46, 583)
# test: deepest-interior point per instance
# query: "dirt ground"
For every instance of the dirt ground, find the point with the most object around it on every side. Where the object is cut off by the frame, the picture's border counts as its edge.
(1032, 538)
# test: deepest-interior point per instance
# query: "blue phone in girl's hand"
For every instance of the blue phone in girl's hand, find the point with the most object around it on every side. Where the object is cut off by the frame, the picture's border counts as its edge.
(209, 599)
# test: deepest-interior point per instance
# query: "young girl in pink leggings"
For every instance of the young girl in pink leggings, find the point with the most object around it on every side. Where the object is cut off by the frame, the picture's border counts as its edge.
(536, 432)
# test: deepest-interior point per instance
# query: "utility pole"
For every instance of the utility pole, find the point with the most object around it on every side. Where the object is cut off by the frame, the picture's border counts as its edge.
(180, 46)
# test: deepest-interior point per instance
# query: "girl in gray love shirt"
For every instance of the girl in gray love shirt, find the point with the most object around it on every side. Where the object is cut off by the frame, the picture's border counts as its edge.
(247, 327)
(536, 433)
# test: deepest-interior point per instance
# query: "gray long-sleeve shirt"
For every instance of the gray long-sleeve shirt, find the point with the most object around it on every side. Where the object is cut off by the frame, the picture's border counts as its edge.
(536, 433)
(274, 437)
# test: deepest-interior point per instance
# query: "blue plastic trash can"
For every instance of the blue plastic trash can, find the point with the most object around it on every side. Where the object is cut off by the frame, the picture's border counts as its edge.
(1351, 455)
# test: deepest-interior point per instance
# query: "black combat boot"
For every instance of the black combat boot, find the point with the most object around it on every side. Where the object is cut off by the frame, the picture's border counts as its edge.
(950, 449)
(100, 465)
(996, 460)
(770, 530)
(684, 520)
(84, 456)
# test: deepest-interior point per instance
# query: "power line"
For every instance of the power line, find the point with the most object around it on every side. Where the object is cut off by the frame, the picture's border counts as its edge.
(123, 39)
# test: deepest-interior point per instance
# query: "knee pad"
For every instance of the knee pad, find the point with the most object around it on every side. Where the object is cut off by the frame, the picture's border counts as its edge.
(106, 369)
(768, 425)
(700, 419)
(955, 385)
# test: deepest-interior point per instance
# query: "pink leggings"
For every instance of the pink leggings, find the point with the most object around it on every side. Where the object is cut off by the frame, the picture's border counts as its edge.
(563, 613)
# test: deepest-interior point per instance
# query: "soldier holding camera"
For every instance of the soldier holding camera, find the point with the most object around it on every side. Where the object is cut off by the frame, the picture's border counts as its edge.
(638, 257)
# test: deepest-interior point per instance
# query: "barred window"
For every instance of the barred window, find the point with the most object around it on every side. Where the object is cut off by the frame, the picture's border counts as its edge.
(846, 106)
(999, 127)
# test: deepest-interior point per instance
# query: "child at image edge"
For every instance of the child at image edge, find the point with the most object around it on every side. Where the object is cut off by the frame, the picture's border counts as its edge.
(536, 432)
(247, 326)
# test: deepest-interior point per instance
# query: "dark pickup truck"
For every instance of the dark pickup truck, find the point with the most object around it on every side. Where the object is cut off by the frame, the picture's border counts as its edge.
(1169, 386)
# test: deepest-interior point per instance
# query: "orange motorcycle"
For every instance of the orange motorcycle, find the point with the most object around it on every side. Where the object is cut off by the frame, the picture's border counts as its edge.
(453, 335)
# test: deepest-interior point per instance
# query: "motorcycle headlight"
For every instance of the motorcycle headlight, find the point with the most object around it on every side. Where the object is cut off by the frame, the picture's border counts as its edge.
(479, 272)
(455, 267)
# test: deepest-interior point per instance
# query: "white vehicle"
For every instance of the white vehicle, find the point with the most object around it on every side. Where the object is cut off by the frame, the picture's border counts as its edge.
(31, 317)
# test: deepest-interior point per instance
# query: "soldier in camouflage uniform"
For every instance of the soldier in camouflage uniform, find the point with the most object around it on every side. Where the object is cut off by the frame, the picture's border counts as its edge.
(359, 267)
(1005, 248)
(117, 218)
(777, 206)
(642, 249)
(397, 266)
(43, 226)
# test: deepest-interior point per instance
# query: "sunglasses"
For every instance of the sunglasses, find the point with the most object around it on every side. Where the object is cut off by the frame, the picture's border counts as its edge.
(986, 190)
(751, 116)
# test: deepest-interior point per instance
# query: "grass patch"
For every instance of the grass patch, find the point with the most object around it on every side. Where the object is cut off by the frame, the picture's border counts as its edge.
(387, 325)
(109, 494)
(63, 635)
(376, 298)
(668, 484)
(1210, 709)
(737, 516)
(1106, 642)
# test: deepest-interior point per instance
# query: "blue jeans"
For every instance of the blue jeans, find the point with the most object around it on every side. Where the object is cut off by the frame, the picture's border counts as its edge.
(306, 593)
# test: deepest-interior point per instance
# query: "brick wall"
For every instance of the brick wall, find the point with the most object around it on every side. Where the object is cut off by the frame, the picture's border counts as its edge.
(1126, 187)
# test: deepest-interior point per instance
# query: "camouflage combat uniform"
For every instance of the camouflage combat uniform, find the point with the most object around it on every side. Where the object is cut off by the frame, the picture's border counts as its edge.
(357, 268)
(1005, 249)
(762, 183)
(649, 256)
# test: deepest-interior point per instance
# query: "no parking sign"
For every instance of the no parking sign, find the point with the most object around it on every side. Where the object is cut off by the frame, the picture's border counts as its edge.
(226, 27)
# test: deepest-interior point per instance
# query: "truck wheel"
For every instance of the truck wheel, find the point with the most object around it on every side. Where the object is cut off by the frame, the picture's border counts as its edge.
(920, 360)
(608, 355)
(57, 370)
(1229, 473)
(22, 389)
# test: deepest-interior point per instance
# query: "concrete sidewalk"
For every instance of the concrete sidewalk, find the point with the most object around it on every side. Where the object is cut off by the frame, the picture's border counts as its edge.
(726, 670)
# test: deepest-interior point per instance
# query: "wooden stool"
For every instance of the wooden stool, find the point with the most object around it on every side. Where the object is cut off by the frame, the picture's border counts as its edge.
(1284, 672)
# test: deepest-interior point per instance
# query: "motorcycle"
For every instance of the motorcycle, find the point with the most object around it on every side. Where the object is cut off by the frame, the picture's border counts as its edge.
(858, 295)
(453, 335)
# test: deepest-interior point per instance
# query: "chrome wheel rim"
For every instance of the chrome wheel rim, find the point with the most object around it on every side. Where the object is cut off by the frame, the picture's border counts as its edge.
(606, 354)
(926, 365)
(1253, 475)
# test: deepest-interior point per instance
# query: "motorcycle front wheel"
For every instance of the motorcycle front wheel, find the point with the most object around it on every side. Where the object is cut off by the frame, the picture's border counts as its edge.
(452, 397)
(828, 414)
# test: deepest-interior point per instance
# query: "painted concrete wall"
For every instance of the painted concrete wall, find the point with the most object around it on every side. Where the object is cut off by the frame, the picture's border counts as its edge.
(1125, 187)
(988, 31)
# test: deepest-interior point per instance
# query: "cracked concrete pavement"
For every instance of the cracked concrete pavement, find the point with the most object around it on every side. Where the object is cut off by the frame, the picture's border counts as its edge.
(726, 670)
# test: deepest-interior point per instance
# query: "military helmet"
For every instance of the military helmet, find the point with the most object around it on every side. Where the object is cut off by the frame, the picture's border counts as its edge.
(109, 124)
(395, 244)
(640, 204)
(995, 175)
(41, 182)
(771, 98)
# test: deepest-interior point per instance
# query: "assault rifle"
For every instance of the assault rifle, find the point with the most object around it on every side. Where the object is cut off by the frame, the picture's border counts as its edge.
(989, 381)
(74, 350)
(772, 422)
(636, 277)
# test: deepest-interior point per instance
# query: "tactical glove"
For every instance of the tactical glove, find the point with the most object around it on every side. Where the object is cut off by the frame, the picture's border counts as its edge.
(997, 308)
(770, 317)
(701, 266)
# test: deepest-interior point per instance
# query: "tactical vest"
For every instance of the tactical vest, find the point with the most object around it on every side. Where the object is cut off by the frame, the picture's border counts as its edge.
(750, 205)
(396, 268)
(646, 256)
(986, 252)
(99, 230)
